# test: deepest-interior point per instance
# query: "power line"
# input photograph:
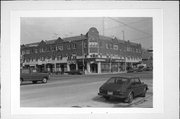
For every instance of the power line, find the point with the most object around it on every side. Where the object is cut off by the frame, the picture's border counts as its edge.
(130, 26)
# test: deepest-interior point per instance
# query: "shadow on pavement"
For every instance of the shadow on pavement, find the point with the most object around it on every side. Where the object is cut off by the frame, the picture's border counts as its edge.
(119, 102)
(110, 101)
(30, 83)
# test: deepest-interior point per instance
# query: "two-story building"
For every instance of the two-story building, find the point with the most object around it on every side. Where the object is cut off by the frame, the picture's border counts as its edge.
(92, 53)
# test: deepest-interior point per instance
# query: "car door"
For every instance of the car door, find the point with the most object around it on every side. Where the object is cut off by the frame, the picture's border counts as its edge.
(139, 86)
(35, 76)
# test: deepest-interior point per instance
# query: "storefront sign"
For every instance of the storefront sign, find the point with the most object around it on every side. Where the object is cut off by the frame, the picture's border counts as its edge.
(117, 60)
(100, 60)
(71, 62)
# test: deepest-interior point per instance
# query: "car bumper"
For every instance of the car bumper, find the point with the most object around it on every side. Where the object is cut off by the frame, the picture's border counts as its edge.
(115, 96)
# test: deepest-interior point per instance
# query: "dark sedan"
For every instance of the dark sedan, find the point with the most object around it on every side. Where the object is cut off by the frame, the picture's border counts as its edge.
(74, 72)
(123, 87)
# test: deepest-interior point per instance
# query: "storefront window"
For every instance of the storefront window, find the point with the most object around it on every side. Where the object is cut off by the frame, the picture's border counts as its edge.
(105, 67)
(114, 67)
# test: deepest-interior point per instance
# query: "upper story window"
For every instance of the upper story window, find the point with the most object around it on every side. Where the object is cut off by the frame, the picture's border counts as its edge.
(48, 49)
(59, 57)
(35, 50)
(41, 50)
(68, 47)
(53, 48)
(42, 58)
(74, 46)
(107, 46)
(115, 47)
(27, 60)
(22, 52)
(128, 49)
(93, 44)
(27, 51)
(138, 50)
(110, 46)
(60, 47)
(85, 45)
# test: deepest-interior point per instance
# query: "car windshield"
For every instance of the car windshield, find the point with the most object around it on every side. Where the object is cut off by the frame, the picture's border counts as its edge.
(117, 80)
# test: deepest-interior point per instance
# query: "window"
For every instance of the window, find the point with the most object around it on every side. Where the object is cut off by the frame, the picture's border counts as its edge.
(115, 47)
(68, 47)
(41, 50)
(60, 47)
(53, 57)
(107, 46)
(53, 48)
(111, 46)
(85, 45)
(127, 48)
(93, 44)
(59, 57)
(27, 51)
(48, 49)
(35, 50)
(74, 46)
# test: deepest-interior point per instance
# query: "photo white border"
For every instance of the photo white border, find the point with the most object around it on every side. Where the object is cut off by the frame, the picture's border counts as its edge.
(14, 41)
(156, 14)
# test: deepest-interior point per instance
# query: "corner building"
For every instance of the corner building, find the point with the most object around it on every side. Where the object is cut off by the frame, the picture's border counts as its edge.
(91, 53)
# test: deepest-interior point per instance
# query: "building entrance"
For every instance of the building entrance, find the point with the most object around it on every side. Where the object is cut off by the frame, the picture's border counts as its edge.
(49, 67)
(72, 67)
(94, 68)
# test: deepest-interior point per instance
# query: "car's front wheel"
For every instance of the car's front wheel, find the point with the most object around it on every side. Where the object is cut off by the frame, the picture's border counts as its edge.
(44, 80)
(130, 97)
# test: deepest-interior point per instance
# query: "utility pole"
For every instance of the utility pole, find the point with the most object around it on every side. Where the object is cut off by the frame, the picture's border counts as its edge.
(124, 56)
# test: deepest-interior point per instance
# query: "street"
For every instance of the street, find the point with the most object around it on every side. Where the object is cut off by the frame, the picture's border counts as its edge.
(79, 91)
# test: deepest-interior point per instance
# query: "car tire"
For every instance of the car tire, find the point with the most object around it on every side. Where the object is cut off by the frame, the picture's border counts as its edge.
(34, 82)
(130, 97)
(106, 97)
(144, 92)
(44, 80)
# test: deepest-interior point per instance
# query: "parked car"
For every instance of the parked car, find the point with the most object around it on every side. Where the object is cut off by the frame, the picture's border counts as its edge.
(74, 72)
(130, 70)
(123, 87)
(30, 75)
(140, 70)
(148, 69)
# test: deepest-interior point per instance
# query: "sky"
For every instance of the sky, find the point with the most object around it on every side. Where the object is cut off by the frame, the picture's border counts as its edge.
(135, 29)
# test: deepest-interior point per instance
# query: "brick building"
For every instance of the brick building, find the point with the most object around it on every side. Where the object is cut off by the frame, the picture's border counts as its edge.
(92, 53)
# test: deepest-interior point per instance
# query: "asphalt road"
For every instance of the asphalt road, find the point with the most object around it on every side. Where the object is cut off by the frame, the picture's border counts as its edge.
(78, 91)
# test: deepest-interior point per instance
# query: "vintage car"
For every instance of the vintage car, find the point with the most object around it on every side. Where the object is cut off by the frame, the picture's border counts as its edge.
(123, 87)
(34, 76)
(74, 72)
(131, 70)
